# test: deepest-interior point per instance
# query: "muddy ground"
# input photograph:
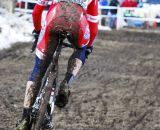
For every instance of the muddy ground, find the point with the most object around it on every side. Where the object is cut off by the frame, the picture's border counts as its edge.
(117, 89)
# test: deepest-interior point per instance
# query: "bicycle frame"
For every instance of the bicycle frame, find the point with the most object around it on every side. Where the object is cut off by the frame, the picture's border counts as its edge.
(50, 76)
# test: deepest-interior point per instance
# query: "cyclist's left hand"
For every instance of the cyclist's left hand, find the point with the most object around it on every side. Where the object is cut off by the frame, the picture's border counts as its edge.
(35, 35)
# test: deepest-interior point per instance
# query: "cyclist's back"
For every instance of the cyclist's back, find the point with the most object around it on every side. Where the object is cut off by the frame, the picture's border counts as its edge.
(71, 15)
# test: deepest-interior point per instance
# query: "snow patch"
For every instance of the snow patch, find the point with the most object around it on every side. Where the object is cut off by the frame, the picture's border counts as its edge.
(14, 29)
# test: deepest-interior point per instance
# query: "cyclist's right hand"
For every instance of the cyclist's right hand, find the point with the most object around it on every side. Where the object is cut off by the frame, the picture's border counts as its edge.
(35, 35)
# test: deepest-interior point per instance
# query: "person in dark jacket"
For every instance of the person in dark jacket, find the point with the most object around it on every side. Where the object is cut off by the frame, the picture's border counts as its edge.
(113, 12)
(129, 3)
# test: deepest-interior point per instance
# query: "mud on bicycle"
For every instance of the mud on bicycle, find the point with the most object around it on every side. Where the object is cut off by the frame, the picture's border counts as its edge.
(45, 101)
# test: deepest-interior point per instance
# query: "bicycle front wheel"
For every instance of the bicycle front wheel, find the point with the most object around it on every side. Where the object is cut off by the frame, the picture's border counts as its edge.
(51, 81)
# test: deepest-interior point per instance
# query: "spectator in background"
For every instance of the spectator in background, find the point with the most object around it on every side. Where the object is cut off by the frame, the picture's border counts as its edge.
(113, 13)
(104, 3)
(140, 4)
(158, 17)
(120, 1)
(129, 3)
(132, 13)
(103, 11)
(20, 4)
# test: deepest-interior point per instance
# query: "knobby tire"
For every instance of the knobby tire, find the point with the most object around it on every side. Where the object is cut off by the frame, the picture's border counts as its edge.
(52, 74)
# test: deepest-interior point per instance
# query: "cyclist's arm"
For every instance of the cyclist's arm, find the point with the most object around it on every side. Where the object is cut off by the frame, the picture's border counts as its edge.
(37, 13)
(92, 17)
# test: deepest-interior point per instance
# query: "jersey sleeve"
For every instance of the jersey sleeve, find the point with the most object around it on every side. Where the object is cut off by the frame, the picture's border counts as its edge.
(92, 17)
(37, 13)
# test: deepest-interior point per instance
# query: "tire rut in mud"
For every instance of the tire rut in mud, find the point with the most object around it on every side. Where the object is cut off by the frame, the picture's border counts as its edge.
(117, 88)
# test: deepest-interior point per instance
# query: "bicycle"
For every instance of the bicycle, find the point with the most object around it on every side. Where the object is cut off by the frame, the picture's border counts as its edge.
(49, 89)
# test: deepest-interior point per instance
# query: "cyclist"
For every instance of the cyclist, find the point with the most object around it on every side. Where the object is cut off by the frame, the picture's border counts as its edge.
(80, 18)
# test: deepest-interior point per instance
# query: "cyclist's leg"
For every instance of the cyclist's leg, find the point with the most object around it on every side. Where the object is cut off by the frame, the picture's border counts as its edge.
(75, 62)
(32, 87)
(44, 53)
(34, 83)
(47, 42)
(86, 36)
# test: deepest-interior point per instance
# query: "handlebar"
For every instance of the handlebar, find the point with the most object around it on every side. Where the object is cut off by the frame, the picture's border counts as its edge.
(65, 44)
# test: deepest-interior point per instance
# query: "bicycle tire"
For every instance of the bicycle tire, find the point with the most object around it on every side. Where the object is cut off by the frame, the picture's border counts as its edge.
(43, 107)
(52, 75)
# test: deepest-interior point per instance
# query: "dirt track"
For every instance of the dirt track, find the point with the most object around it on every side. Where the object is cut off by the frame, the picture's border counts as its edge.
(117, 89)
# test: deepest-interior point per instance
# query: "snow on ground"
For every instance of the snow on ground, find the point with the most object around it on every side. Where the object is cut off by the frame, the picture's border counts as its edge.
(14, 29)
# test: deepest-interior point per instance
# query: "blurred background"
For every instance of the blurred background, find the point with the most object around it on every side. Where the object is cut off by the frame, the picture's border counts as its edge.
(113, 15)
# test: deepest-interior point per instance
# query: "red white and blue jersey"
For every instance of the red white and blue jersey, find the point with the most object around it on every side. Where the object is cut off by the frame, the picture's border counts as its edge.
(91, 7)
(88, 25)
(83, 3)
